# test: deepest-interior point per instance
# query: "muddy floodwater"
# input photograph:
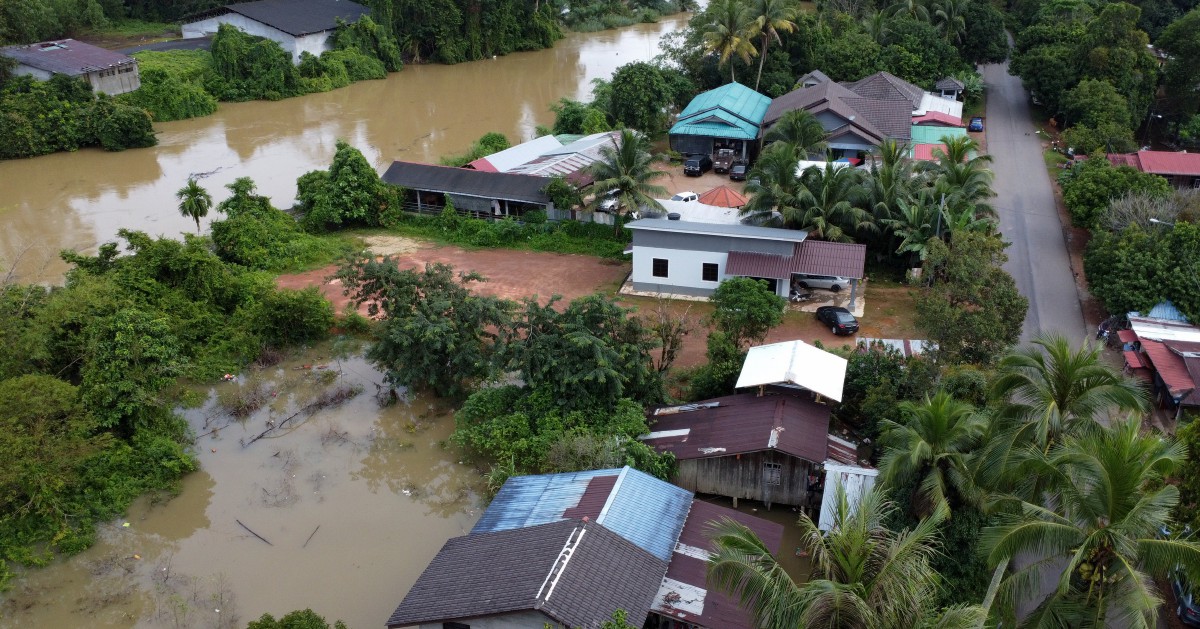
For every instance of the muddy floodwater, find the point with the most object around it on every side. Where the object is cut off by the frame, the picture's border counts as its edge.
(79, 200)
(355, 498)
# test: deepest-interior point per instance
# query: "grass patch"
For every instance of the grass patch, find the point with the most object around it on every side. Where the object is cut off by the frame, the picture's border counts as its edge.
(1054, 162)
(186, 65)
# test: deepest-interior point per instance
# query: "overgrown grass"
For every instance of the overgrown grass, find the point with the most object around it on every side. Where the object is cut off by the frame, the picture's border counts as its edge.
(135, 28)
(1054, 162)
(186, 65)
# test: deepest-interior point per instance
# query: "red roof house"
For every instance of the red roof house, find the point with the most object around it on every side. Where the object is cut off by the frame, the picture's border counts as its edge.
(1181, 169)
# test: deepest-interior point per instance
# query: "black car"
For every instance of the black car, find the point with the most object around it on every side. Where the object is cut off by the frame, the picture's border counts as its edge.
(697, 165)
(738, 172)
(1186, 605)
(839, 320)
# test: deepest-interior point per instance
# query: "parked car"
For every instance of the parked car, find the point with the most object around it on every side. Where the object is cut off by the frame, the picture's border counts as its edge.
(976, 124)
(839, 320)
(685, 196)
(737, 172)
(830, 282)
(723, 160)
(611, 202)
(697, 165)
(1186, 605)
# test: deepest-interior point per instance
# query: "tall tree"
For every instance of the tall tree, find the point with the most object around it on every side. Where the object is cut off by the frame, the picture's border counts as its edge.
(950, 17)
(628, 168)
(745, 310)
(727, 33)
(931, 446)
(800, 130)
(773, 185)
(769, 18)
(864, 575)
(194, 202)
(962, 173)
(1098, 533)
(829, 204)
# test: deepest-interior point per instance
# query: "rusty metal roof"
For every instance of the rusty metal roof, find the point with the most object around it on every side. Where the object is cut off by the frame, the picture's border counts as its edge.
(818, 257)
(66, 56)
(744, 423)
(1170, 367)
(687, 576)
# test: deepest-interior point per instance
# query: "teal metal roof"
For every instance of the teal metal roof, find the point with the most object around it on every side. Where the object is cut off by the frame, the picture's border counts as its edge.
(648, 512)
(922, 134)
(730, 111)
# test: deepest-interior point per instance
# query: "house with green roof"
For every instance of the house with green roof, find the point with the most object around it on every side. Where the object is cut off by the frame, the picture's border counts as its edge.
(729, 117)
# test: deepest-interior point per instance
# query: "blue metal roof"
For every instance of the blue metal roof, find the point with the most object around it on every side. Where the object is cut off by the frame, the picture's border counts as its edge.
(730, 111)
(1167, 310)
(648, 512)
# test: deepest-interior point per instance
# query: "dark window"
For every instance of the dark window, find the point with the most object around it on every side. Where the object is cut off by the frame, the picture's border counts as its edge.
(772, 472)
(710, 272)
(455, 625)
(660, 267)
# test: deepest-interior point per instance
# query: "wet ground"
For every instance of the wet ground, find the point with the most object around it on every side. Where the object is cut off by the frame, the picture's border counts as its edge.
(353, 498)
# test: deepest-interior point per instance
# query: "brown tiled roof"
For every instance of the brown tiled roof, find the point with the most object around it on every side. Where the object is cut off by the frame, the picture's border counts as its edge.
(892, 117)
(746, 264)
(887, 86)
(486, 574)
(66, 56)
(818, 257)
(747, 423)
(949, 83)
(720, 611)
(874, 118)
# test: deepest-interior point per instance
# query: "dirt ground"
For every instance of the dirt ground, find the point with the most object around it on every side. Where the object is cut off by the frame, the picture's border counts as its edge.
(511, 274)
(676, 181)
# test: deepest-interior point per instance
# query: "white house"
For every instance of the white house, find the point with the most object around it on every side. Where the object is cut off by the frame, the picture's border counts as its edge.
(109, 72)
(297, 25)
(686, 258)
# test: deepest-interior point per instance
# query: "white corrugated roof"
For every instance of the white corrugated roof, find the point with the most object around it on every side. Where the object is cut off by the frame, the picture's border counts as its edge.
(931, 102)
(1164, 330)
(797, 363)
(512, 157)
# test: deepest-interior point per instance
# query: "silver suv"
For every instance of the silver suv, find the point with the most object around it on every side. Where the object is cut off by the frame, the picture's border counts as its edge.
(830, 282)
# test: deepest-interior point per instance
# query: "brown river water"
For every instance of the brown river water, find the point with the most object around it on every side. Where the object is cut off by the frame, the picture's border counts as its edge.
(354, 498)
(79, 200)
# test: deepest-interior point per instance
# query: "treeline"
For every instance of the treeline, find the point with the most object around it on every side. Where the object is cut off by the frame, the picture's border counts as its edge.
(63, 114)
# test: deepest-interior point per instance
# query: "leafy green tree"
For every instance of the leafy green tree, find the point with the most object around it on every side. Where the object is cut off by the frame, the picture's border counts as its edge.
(194, 202)
(773, 186)
(351, 195)
(1135, 269)
(829, 204)
(718, 376)
(918, 53)
(745, 310)
(132, 358)
(914, 222)
(435, 332)
(1187, 512)
(639, 94)
(864, 575)
(299, 619)
(1094, 102)
(1114, 49)
(1098, 534)
(950, 17)
(769, 18)
(563, 194)
(1181, 40)
(628, 168)
(728, 33)
(961, 173)
(973, 311)
(1090, 187)
(258, 236)
(984, 40)
(930, 446)
(800, 130)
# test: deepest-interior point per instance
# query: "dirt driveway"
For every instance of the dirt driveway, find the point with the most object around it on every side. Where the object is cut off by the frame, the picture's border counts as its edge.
(511, 274)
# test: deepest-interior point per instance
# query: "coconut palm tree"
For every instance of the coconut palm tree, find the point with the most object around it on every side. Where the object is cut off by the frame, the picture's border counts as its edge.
(773, 186)
(864, 575)
(914, 9)
(931, 446)
(877, 26)
(1098, 535)
(1053, 390)
(914, 223)
(950, 17)
(194, 202)
(769, 17)
(890, 181)
(966, 219)
(628, 168)
(800, 130)
(727, 33)
(962, 174)
(829, 204)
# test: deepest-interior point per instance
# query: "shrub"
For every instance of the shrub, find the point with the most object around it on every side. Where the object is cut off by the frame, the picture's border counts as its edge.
(292, 317)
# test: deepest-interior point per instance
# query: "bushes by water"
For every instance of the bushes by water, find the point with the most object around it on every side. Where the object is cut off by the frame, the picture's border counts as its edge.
(256, 235)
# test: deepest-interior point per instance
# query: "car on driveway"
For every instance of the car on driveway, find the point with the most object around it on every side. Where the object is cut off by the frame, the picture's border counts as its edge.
(830, 282)
(839, 320)
(697, 165)
(975, 125)
(686, 196)
(738, 171)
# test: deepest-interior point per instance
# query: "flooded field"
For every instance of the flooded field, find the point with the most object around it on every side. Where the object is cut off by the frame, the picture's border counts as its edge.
(351, 499)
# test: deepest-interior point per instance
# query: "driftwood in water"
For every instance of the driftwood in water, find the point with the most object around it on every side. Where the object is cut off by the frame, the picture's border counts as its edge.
(253, 533)
(310, 536)
(327, 399)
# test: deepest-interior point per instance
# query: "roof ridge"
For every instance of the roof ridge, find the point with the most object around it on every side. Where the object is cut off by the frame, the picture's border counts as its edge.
(612, 495)
(560, 565)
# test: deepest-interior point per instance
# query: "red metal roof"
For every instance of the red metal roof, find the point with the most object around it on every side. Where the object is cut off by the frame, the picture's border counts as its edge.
(1133, 360)
(720, 610)
(747, 423)
(1160, 162)
(1170, 367)
(842, 451)
(924, 152)
(746, 264)
(818, 257)
(1127, 336)
(593, 499)
(937, 118)
(723, 196)
(483, 164)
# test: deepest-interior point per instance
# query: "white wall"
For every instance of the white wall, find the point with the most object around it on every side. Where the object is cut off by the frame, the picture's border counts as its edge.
(24, 70)
(314, 43)
(111, 82)
(684, 268)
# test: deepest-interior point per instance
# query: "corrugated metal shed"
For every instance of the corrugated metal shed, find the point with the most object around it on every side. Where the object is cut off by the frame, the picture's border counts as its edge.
(1163, 330)
(642, 509)
(937, 118)
(730, 111)
(467, 182)
(855, 480)
(712, 229)
(927, 152)
(1170, 367)
(514, 156)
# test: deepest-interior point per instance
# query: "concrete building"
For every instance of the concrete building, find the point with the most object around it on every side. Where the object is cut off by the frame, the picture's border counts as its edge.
(298, 26)
(108, 72)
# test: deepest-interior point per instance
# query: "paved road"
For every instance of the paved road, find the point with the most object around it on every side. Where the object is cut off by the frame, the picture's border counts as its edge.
(1038, 257)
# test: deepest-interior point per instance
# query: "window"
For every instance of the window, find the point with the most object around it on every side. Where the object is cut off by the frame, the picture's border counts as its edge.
(772, 472)
(660, 267)
(1196, 183)
(709, 274)
(455, 625)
